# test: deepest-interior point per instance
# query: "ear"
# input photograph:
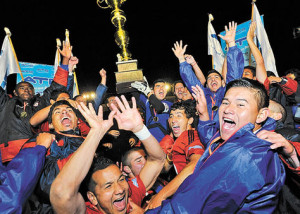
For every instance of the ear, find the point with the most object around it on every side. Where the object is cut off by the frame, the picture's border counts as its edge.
(92, 198)
(262, 115)
(191, 120)
(15, 93)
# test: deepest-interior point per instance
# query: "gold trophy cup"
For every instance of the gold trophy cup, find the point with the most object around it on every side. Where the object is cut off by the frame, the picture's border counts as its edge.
(128, 71)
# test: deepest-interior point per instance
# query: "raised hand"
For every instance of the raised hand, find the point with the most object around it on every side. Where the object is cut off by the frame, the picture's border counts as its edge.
(189, 59)
(251, 31)
(66, 52)
(96, 121)
(128, 118)
(201, 106)
(230, 34)
(45, 139)
(142, 86)
(179, 50)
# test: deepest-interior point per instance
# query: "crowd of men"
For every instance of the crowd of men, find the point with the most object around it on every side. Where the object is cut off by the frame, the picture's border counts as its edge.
(227, 143)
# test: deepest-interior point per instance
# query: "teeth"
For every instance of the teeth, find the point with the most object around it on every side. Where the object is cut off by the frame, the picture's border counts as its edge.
(120, 199)
(228, 120)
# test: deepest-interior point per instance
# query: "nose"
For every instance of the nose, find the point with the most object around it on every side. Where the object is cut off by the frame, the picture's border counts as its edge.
(229, 109)
(119, 189)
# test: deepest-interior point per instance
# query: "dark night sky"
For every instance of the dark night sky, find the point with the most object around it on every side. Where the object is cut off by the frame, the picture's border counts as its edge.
(153, 27)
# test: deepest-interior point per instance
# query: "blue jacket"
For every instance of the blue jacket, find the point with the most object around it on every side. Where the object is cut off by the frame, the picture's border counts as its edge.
(235, 68)
(162, 117)
(242, 175)
(18, 179)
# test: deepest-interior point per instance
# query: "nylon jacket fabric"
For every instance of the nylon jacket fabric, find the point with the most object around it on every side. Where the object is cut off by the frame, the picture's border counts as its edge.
(235, 68)
(242, 175)
(18, 179)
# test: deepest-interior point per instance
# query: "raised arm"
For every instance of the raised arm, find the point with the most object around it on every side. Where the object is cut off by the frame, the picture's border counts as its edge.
(130, 119)
(101, 90)
(190, 59)
(186, 72)
(235, 58)
(261, 73)
(64, 195)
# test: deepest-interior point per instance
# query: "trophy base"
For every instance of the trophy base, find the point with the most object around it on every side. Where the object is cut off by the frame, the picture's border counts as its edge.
(127, 73)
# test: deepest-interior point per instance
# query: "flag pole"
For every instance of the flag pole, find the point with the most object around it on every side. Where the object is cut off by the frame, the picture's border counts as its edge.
(67, 33)
(8, 33)
(252, 11)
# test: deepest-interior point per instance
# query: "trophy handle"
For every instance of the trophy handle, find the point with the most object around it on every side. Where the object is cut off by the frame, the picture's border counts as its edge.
(99, 2)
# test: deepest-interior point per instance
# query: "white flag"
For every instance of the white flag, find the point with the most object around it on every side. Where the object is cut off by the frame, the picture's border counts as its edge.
(263, 40)
(8, 62)
(57, 61)
(214, 47)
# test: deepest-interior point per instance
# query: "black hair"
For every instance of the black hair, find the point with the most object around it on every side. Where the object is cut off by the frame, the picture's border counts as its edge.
(125, 160)
(19, 84)
(175, 82)
(99, 163)
(261, 93)
(54, 94)
(157, 81)
(214, 71)
(58, 103)
(188, 106)
(294, 71)
(252, 69)
(110, 95)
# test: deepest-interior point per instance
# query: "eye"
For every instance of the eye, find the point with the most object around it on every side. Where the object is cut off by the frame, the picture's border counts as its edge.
(224, 102)
(240, 105)
(108, 186)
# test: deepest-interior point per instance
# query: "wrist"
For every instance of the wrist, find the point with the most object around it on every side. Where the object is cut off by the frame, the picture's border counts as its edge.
(181, 59)
(142, 132)
(231, 43)
(193, 64)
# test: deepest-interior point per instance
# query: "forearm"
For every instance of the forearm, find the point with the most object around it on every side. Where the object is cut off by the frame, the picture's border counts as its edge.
(261, 73)
(224, 69)
(66, 184)
(199, 73)
(173, 185)
(39, 116)
(156, 103)
(235, 64)
(188, 76)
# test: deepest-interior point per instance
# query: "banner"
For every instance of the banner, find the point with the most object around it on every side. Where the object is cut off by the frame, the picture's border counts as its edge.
(241, 41)
(39, 75)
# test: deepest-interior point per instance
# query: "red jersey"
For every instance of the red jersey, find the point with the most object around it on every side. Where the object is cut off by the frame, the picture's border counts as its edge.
(137, 192)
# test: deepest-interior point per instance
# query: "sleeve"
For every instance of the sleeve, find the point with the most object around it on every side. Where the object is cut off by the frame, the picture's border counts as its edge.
(100, 92)
(288, 164)
(157, 104)
(290, 86)
(188, 76)
(206, 130)
(195, 147)
(70, 85)
(235, 64)
(19, 178)
(3, 98)
(167, 144)
(137, 190)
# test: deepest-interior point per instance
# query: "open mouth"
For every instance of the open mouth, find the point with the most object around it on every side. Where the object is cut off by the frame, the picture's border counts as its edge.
(228, 123)
(66, 121)
(176, 129)
(120, 203)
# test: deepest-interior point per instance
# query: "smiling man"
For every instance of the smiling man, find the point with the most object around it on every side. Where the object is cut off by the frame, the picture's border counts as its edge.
(183, 149)
(238, 172)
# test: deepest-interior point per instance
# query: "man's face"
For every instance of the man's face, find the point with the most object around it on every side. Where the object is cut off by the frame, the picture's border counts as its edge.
(159, 90)
(178, 90)
(24, 91)
(63, 96)
(81, 99)
(238, 108)
(64, 118)
(112, 100)
(186, 94)
(138, 161)
(214, 82)
(248, 74)
(179, 122)
(111, 190)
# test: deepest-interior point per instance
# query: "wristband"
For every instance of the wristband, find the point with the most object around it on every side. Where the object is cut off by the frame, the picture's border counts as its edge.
(143, 133)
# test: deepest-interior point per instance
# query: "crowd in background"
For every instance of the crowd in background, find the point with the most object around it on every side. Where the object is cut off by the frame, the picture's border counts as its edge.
(226, 142)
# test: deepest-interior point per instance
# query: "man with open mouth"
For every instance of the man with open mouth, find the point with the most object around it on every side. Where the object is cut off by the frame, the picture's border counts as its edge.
(108, 190)
(238, 172)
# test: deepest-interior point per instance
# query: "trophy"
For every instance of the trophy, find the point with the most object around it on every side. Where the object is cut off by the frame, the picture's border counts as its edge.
(128, 71)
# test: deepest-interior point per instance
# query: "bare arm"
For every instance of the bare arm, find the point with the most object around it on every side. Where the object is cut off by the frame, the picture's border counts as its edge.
(39, 116)
(261, 73)
(224, 69)
(64, 195)
(190, 59)
(172, 186)
(131, 120)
